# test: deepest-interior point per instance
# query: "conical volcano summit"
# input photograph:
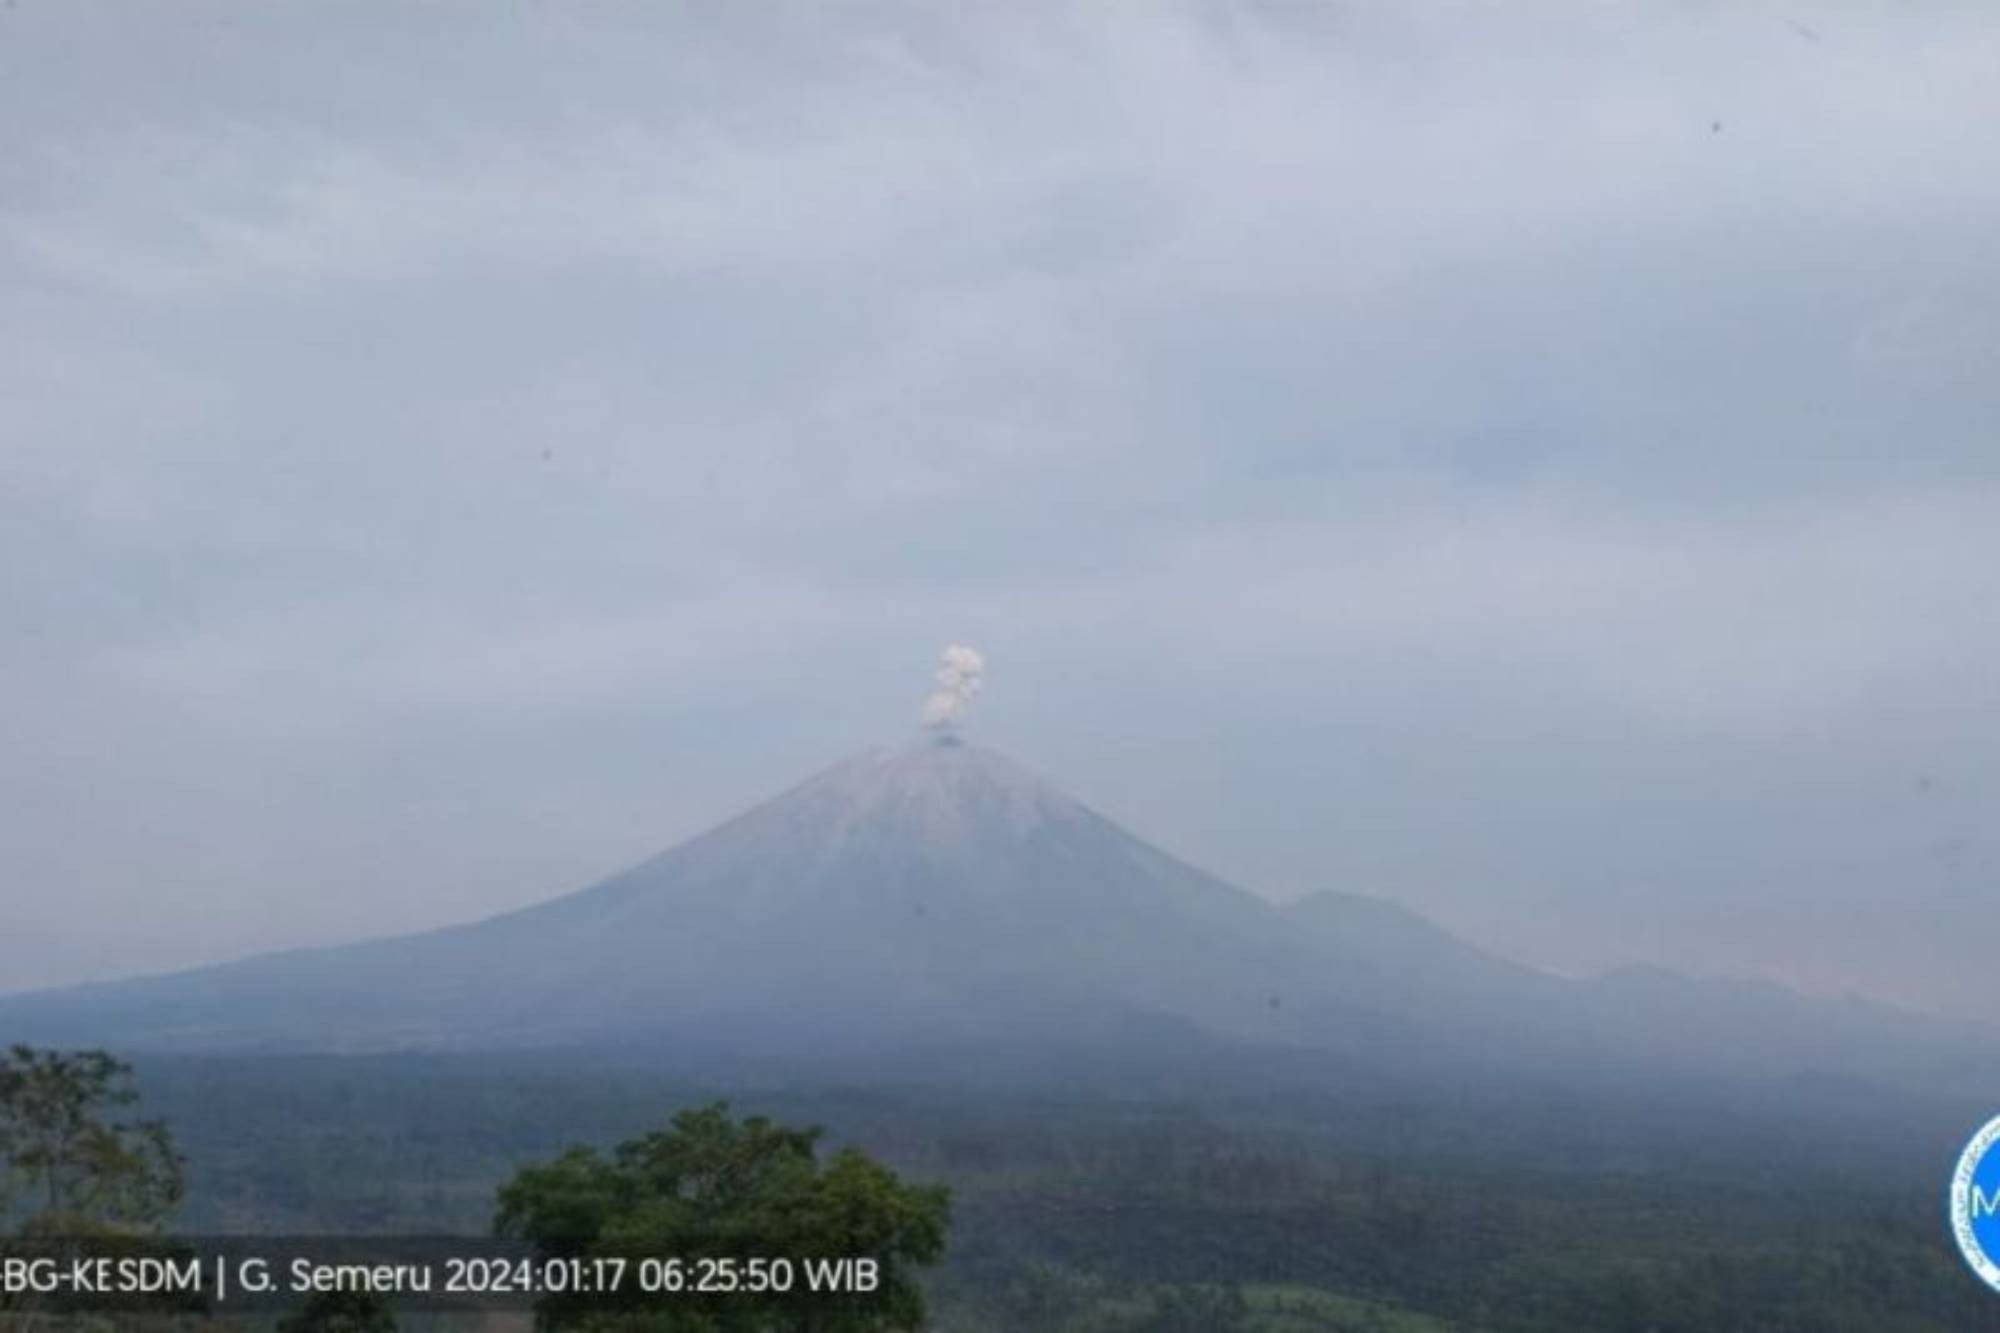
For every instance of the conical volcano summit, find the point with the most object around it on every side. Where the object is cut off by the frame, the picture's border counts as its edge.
(935, 893)
(930, 890)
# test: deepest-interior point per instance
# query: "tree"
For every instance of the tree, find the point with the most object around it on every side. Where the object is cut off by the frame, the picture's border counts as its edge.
(341, 1312)
(68, 1164)
(712, 1194)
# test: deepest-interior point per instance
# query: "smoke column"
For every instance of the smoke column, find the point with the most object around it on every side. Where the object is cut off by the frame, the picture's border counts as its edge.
(958, 674)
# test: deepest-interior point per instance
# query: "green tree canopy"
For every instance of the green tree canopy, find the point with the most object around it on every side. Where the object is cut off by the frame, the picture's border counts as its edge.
(711, 1187)
(69, 1165)
(341, 1312)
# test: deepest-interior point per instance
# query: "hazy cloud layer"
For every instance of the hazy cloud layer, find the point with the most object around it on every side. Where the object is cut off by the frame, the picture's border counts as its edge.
(1542, 465)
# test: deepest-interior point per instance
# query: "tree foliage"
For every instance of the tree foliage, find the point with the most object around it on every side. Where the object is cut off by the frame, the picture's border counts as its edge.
(69, 1164)
(341, 1312)
(713, 1187)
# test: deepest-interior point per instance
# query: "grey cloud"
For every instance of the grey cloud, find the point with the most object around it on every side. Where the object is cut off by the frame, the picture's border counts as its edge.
(448, 455)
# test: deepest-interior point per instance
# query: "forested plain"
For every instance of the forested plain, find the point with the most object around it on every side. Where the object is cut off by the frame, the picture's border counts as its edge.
(1130, 1201)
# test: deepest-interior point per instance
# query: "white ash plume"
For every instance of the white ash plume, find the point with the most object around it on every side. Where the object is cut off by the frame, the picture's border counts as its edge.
(959, 671)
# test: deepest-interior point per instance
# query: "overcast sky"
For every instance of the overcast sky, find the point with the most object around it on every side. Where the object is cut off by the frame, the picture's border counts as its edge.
(1540, 463)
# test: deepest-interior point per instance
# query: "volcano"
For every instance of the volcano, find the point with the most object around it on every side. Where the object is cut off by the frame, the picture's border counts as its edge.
(939, 893)
(930, 891)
